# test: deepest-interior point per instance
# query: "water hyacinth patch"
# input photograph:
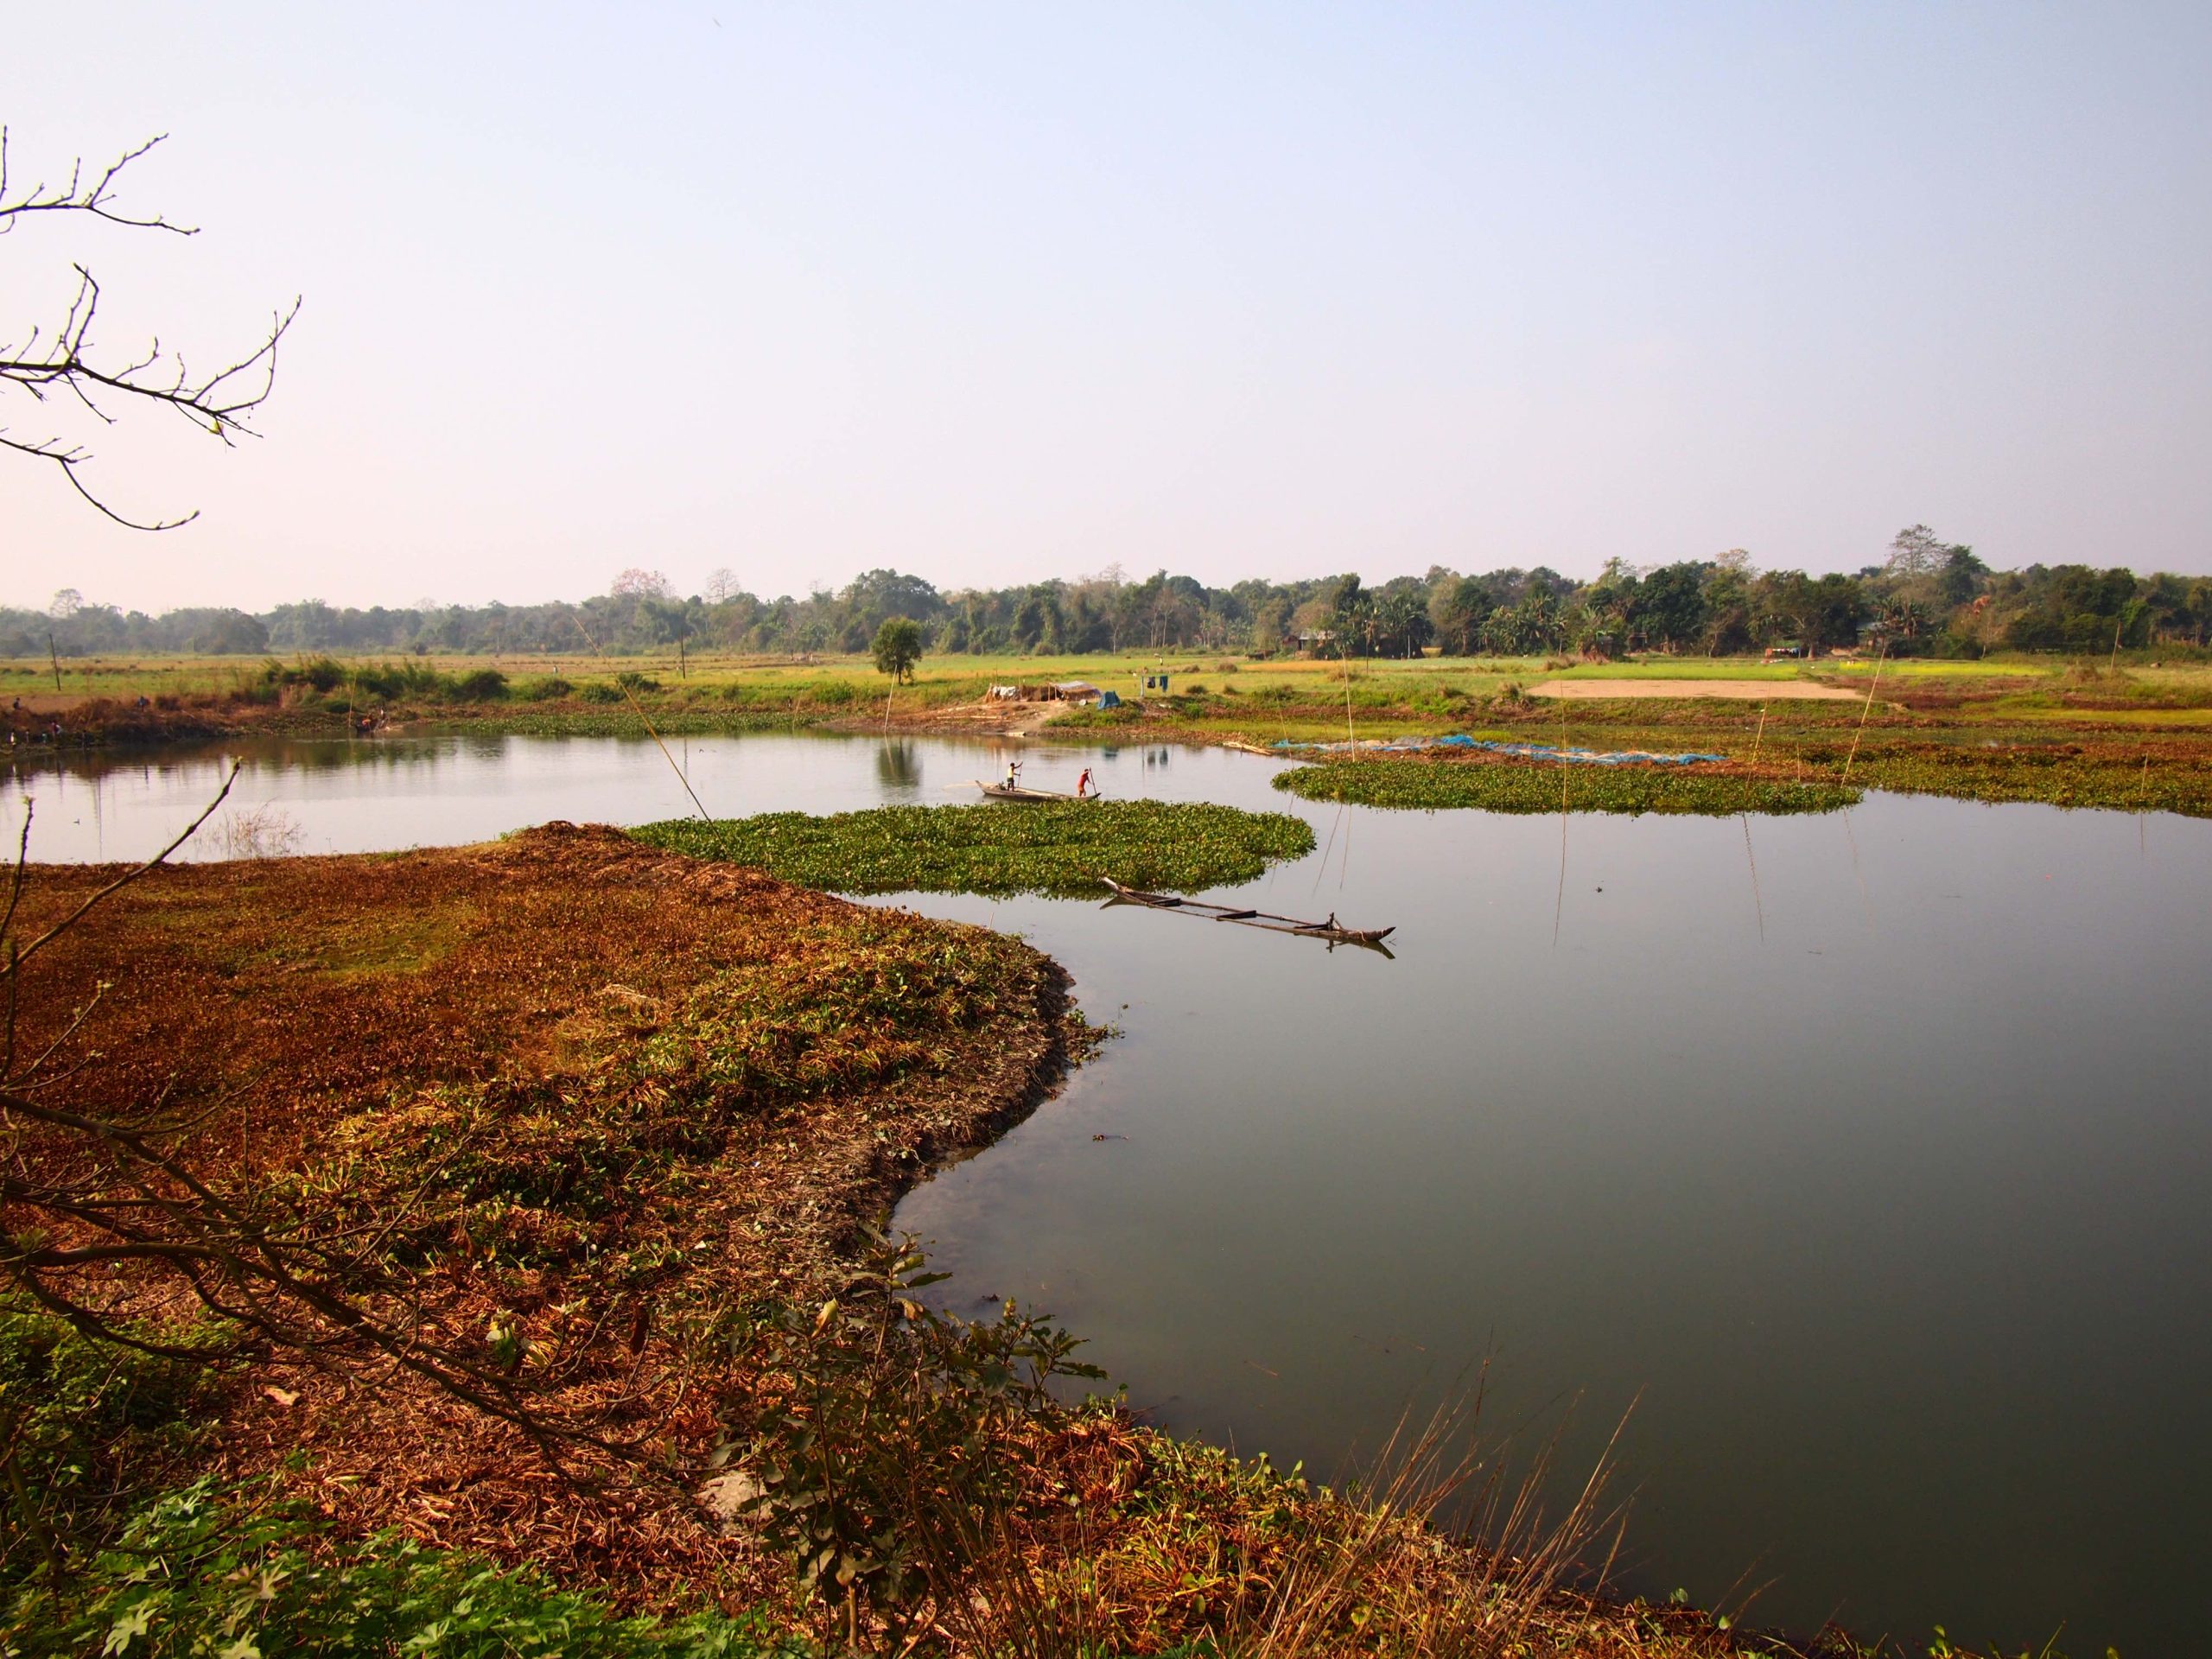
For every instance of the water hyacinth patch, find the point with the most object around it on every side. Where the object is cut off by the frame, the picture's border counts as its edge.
(1047, 847)
(1424, 785)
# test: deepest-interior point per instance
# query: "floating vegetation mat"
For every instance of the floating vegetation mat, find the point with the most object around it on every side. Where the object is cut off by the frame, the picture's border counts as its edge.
(1423, 786)
(1051, 847)
(1525, 751)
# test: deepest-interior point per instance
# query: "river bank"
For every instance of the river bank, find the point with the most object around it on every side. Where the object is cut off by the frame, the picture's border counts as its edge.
(2128, 739)
(603, 1112)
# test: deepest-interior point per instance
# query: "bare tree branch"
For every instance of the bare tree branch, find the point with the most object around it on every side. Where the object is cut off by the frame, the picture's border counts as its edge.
(65, 358)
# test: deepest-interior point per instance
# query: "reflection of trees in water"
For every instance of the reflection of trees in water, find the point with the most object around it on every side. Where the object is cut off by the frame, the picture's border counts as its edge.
(899, 765)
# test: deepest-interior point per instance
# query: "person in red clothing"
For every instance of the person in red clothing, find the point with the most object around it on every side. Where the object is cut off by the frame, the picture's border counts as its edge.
(1083, 785)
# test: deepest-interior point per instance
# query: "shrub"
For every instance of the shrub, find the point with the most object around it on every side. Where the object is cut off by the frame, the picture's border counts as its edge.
(598, 691)
(632, 682)
(543, 690)
(480, 685)
(325, 674)
(199, 1571)
(77, 1417)
(879, 1465)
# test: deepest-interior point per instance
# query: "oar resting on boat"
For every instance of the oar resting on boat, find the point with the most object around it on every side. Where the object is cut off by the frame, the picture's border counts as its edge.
(1331, 929)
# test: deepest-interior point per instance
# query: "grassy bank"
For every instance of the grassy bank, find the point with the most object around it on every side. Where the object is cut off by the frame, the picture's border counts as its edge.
(1425, 785)
(1055, 847)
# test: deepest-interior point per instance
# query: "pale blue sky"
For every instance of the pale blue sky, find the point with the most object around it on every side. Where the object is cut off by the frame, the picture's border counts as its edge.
(994, 292)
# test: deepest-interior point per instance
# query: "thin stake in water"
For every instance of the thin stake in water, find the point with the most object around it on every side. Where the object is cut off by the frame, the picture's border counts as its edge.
(705, 816)
(1863, 711)
(1745, 817)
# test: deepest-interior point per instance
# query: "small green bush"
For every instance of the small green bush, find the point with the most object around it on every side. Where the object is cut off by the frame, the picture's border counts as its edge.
(546, 688)
(200, 1571)
(480, 685)
(325, 673)
(598, 691)
(76, 1417)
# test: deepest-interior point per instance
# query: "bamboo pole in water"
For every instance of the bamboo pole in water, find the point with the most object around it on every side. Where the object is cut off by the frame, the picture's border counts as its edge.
(704, 816)
(1558, 900)
(1866, 709)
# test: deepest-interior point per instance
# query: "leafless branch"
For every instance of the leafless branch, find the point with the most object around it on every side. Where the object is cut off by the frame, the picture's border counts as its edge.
(65, 358)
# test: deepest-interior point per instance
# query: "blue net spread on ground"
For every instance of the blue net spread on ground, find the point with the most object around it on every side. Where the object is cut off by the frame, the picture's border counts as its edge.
(1529, 751)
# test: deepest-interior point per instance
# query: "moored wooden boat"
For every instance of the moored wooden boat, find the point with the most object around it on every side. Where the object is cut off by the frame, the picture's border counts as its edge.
(1332, 930)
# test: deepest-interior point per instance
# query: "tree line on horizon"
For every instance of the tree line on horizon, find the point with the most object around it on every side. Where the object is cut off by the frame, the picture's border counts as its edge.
(1927, 597)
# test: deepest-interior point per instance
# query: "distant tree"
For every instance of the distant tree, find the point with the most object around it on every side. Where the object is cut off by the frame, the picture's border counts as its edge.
(1962, 576)
(898, 648)
(1668, 608)
(877, 594)
(1915, 551)
(635, 583)
(722, 585)
(67, 601)
(1457, 608)
(62, 357)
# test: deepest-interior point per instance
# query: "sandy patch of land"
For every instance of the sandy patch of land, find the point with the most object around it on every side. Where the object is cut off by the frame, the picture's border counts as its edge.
(1737, 691)
(991, 717)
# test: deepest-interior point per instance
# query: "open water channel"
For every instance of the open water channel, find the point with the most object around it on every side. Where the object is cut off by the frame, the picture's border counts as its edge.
(1869, 1158)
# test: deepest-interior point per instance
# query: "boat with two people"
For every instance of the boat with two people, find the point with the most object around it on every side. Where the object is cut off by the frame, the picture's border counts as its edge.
(1012, 789)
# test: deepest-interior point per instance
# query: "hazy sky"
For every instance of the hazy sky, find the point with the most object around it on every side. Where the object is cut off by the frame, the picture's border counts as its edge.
(994, 292)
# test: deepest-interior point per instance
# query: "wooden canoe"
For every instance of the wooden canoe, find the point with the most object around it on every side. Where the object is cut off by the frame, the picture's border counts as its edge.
(1023, 793)
(1332, 930)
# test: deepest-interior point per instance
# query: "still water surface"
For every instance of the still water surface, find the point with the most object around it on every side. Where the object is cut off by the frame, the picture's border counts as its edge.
(1876, 1178)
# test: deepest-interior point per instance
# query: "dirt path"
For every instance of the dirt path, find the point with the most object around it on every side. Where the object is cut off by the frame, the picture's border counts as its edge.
(1735, 690)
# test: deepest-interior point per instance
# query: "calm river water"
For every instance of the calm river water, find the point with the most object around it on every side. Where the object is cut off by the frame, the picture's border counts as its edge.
(1870, 1158)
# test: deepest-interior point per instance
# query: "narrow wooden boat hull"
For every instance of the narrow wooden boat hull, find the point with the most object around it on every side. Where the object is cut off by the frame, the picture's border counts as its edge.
(1001, 792)
(1206, 911)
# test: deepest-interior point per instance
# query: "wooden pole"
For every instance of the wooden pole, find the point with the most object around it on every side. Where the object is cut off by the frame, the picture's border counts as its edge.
(1867, 709)
(54, 659)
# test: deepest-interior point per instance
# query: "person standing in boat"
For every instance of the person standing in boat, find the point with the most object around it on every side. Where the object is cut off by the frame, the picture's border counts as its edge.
(1082, 785)
(1013, 770)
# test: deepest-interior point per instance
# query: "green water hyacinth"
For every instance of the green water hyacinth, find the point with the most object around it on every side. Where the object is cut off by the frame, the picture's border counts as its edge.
(1060, 847)
(1432, 786)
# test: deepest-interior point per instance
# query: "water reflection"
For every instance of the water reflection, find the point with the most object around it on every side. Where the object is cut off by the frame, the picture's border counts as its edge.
(899, 767)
